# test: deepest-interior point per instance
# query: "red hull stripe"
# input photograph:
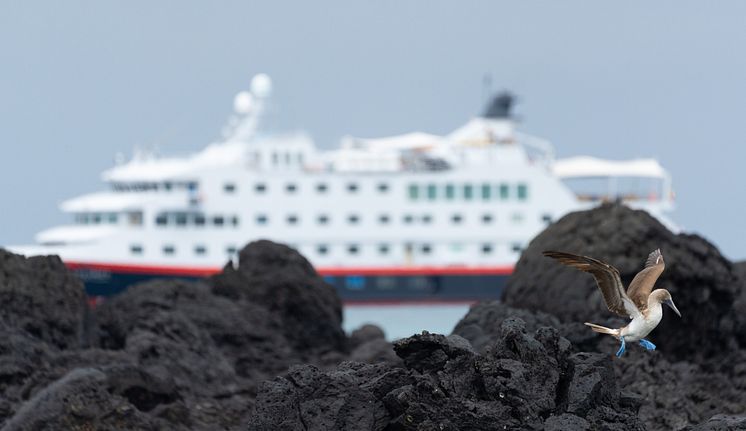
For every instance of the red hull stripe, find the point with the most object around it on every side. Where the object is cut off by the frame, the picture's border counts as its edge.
(192, 271)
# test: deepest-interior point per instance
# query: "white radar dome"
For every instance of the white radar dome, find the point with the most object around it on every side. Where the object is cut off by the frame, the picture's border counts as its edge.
(261, 85)
(243, 102)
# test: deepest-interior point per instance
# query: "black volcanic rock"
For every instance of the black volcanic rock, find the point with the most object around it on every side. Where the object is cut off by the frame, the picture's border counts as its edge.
(699, 368)
(670, 395)
(704, 284)
(166, 354)
(282, 281)
(526, 381)
(39, 296)
(722, 423)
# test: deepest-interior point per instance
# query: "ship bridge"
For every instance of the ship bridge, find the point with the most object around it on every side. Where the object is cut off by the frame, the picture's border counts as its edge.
(635, 182)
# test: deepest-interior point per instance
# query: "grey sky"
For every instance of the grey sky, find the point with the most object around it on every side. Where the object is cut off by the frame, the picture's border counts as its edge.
(81, 80)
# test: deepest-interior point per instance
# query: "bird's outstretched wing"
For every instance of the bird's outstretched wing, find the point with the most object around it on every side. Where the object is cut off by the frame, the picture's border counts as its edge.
(607, 279)
(641, 286)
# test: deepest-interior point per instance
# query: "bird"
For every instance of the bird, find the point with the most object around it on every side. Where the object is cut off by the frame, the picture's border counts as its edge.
(640, 302)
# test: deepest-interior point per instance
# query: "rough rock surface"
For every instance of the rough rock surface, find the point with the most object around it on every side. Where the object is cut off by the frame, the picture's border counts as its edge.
(672, 394)
(698, 370)
(702, 282)
(39, 296)
(225, 353)
(166, 354)
(526, 380)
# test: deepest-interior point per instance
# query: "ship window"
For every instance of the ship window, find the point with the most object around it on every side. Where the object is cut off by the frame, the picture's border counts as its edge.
(96, 218)
(200, 250)
(383, 187)
(323, 219)
(231, 250)
(112, 217)
(229, 187)
(427, 219)
(260, 187)
(486, 248)
(468, 191)
(261, 219)
(353, 249)
(353, 219)
(181, 219)
(291, 188)
(192, 186)
(135, 218)
(355, 282)
(234, 221)
(517, 247)
(82, 218)
(275, 158)
(450, 191)
(431, 191)
(218, 220)
(169, 249)
(287, 158)
(299, 157)
(408, 219)
(517, 217)
(322, 249)
(136, 249)
(383, 219)
(385, 283)
(522, 191)
(426, 248)
(504, 191)
(546, 218)
(486, 192)
(199, 219)
(383, 248)
(292, 219)
(414, 192)
(486, 218)
(168, 185)
(321, 187)
(161, 219)
(457, 218)
(352, 187)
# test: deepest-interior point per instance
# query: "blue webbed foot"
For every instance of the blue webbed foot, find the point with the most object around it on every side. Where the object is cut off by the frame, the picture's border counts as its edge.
(647, 345)
(621, 350)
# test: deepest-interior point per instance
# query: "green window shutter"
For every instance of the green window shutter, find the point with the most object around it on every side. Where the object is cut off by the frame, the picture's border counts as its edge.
(504, 191)
(468, 192)
(522, 192)
(450, 191)
(486, 192)
(414, 192)
(431, 192)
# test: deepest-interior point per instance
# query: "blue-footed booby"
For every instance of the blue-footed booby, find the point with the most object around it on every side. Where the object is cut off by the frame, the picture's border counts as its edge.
(640, 302)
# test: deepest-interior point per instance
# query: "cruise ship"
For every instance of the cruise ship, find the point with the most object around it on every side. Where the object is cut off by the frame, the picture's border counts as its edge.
(415, 217)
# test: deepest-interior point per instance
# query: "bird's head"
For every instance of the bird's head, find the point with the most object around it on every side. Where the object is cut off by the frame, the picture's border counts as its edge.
(662, 296)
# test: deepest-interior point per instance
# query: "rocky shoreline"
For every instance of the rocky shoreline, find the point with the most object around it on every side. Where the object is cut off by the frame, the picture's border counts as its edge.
(260, 347)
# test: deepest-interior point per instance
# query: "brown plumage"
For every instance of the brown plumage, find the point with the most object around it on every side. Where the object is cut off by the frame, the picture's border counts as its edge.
(641, 286)
(607, 278)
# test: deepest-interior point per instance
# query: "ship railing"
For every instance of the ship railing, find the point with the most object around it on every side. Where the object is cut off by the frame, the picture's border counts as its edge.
(538, 150)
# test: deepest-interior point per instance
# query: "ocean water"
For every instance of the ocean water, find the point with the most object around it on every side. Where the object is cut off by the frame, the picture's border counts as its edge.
(400, 321)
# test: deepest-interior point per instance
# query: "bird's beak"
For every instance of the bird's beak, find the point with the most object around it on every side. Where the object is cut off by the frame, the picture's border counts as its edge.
(670, 303)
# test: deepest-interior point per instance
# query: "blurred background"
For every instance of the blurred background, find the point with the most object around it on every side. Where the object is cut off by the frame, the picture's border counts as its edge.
(82, 81)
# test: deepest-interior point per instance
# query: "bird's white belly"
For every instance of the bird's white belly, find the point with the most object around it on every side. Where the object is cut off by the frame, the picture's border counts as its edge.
(642, 325)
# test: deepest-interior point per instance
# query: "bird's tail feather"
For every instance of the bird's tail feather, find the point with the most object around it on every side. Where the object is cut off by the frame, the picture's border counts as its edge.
(603, 330)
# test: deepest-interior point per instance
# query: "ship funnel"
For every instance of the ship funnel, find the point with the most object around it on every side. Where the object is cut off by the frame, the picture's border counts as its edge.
(500, 107)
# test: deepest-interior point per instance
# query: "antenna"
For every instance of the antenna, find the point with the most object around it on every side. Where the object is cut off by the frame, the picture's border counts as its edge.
(486, 88)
